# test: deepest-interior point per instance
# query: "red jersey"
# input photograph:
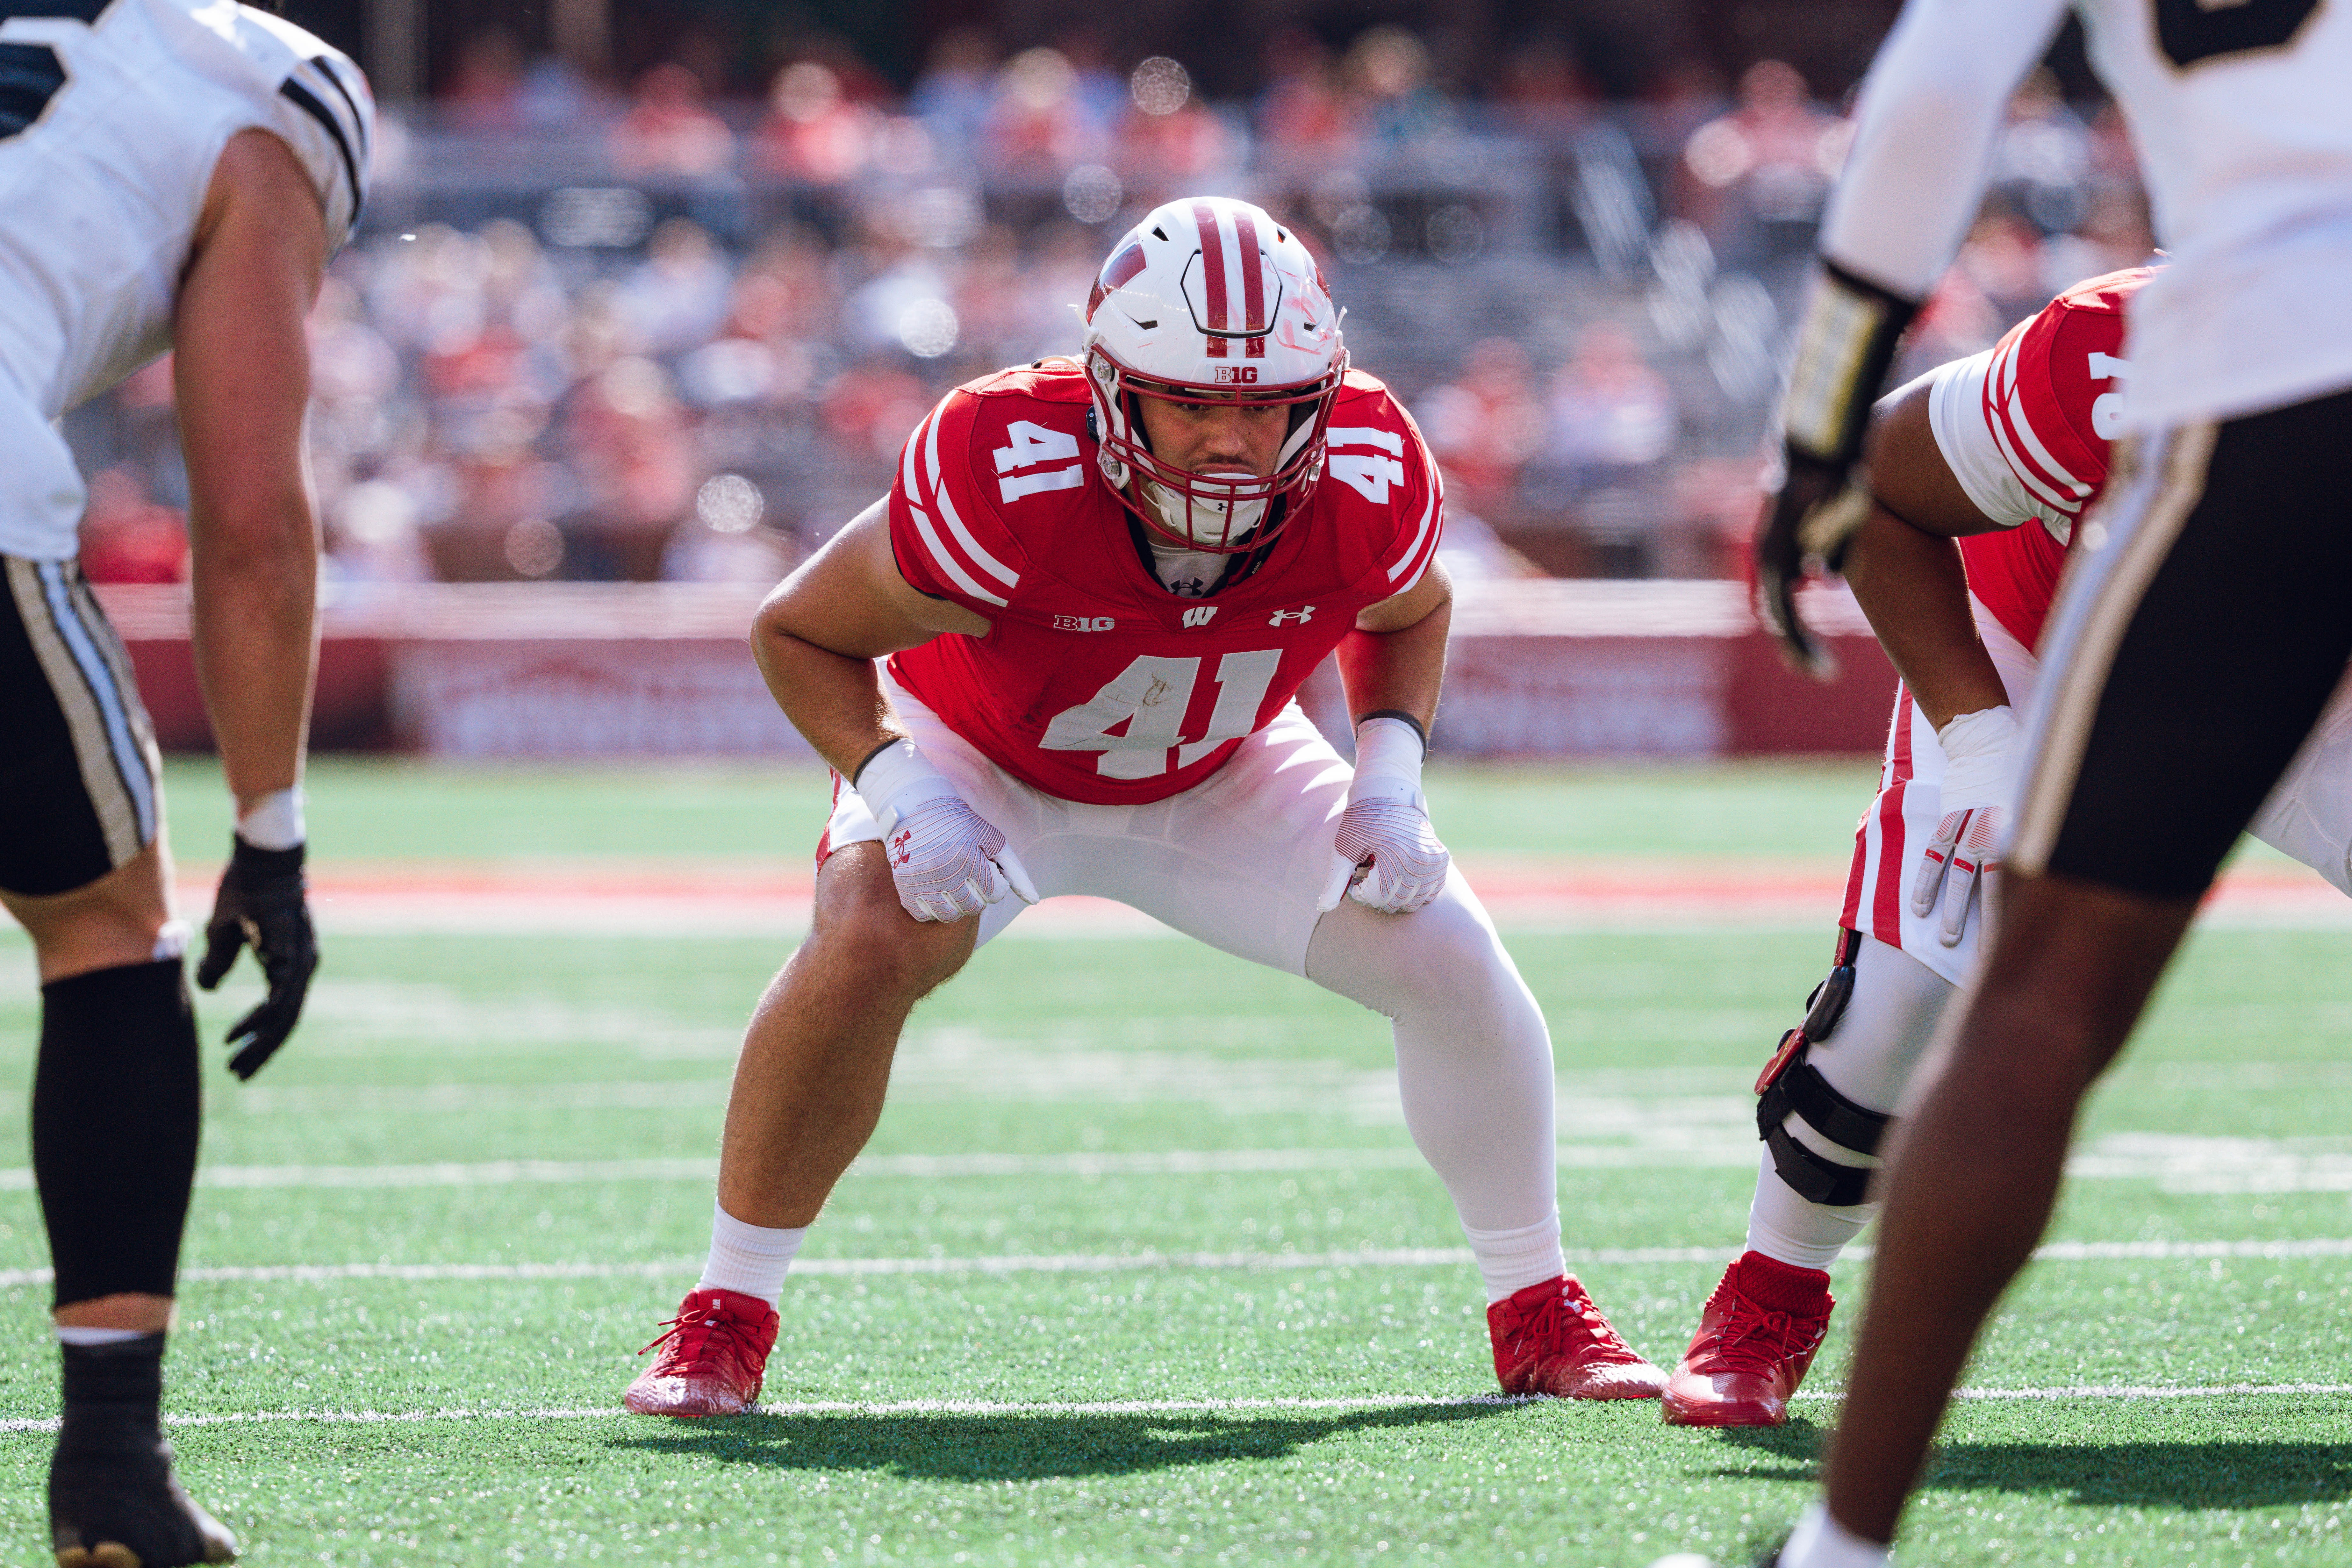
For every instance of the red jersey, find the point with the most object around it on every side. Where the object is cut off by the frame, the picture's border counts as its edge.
(1094, 683)
(2033, 451)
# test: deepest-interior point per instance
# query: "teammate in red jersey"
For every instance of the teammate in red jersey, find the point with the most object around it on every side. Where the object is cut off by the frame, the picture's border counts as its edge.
(1981, 469)
(1098, 585)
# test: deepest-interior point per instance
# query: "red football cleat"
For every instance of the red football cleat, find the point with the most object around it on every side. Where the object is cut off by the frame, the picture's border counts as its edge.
(1551, 1339)
(1755, 1341)
(712, 1359)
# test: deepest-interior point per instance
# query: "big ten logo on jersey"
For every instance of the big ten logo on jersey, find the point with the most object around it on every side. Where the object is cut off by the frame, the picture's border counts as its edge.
(1370, 476)
(1032, 447)
(1143, 719)
(1084, 623)
(2107, 408)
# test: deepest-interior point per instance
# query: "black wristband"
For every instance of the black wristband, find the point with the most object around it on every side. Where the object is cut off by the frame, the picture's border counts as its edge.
(1418, 728)
(870, 757)
(1845, 345)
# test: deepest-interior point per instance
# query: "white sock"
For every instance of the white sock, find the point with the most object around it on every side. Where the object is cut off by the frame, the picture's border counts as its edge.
(72, 1334)
(751, 1259)
(1820, 1542)
(1798, 1231)
(1511, 1260)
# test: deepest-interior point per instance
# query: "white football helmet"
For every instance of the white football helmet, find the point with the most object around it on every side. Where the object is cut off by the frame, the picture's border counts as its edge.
(1209, 299)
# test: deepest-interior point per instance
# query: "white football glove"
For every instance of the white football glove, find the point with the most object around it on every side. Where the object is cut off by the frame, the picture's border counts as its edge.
(947, 860)
(1981, 764)
(1385, 855)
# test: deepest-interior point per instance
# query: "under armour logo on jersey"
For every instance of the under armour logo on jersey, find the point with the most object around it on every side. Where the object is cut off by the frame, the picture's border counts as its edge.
(1301, 615)
(1200, 614)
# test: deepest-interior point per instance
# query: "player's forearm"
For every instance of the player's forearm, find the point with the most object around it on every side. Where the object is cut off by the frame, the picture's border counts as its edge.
(255, 632)
(1914, 590)
(1396, 672)
(1923, 136)
(834, 700)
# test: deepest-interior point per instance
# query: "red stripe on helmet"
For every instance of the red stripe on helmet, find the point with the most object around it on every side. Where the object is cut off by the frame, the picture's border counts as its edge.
(1212, 268)
(1253, 275)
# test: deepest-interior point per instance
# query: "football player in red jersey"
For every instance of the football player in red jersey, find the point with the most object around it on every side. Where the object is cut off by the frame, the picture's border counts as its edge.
(1980, 469)
(1061, 658)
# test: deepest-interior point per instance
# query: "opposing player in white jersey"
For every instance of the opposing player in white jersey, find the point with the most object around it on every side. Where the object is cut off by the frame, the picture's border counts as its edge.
(173, 175)
(1981, 469)
(2152, 742)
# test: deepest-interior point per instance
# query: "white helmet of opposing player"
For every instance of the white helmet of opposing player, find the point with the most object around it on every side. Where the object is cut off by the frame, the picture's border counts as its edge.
(1209, 299)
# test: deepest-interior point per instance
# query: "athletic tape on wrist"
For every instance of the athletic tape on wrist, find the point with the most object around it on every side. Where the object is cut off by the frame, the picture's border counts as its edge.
(1389, 751)
(275, 821)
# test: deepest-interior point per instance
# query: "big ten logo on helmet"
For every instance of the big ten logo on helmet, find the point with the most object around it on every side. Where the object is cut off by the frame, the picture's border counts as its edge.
(1084, 623)
(1237, 374)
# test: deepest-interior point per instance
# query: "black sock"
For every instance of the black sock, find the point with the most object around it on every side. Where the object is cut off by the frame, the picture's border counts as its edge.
(113, 1391)
(115, 1113)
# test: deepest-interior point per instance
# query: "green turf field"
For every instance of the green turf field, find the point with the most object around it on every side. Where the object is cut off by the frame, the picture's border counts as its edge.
(1119, 1283)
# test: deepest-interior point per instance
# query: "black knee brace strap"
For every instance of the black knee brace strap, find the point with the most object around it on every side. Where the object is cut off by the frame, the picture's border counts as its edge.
(1791, 1083)
(115, 1110)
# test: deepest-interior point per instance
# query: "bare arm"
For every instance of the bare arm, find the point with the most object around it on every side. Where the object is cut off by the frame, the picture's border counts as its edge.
(817, 635)
(1906, 572)
(1395, 659)
(242, 370)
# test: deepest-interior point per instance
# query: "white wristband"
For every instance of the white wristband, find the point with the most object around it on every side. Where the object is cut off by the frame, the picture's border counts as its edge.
(1988, 732)
(275, 821)
(1388, 760)
(898, 777)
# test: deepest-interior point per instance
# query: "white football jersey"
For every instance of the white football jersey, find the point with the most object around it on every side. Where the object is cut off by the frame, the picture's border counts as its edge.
(2242, 114)
(113, 115)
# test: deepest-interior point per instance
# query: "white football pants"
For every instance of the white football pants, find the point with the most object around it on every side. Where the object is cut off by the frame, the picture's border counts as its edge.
(1238, 861)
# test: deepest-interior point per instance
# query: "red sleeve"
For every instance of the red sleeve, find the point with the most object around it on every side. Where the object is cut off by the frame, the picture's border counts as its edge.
(2052, 395)
(1375, 449)
(1421, 518)
(949, 541)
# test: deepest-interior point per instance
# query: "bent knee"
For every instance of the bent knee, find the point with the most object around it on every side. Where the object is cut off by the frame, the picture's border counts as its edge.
(125, 917)
(1443, 954)
(864, 935)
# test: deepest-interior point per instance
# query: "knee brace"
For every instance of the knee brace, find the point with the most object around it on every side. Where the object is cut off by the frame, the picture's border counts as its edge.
(1790, 1083)
(115, 1111)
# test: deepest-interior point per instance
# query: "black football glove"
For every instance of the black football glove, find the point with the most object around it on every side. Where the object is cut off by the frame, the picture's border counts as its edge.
(1846, 344)
(262, 900)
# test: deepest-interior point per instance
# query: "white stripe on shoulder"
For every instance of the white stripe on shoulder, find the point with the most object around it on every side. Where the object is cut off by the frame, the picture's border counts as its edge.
(2014, 430)
(1420, 534)
(989, 564)
(906, 460)
(945, 560)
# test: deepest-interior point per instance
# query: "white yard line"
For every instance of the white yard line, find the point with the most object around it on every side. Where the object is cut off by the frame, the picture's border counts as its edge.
(1014, 1409)
(1170, 1262)
(2175, 1164)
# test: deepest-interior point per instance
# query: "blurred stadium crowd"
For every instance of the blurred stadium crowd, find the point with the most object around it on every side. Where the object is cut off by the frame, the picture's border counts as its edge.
(595, 336)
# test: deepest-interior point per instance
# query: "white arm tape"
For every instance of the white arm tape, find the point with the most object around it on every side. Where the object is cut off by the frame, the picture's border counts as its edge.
(275, 822)
(1388, 760)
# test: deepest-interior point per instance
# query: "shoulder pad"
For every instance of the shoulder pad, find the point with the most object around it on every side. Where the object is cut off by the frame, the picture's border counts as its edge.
(1050, 380)
(2109, 292)
(322, 108)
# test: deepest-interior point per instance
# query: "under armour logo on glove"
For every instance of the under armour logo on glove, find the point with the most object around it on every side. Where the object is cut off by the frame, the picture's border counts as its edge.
(947, 862)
